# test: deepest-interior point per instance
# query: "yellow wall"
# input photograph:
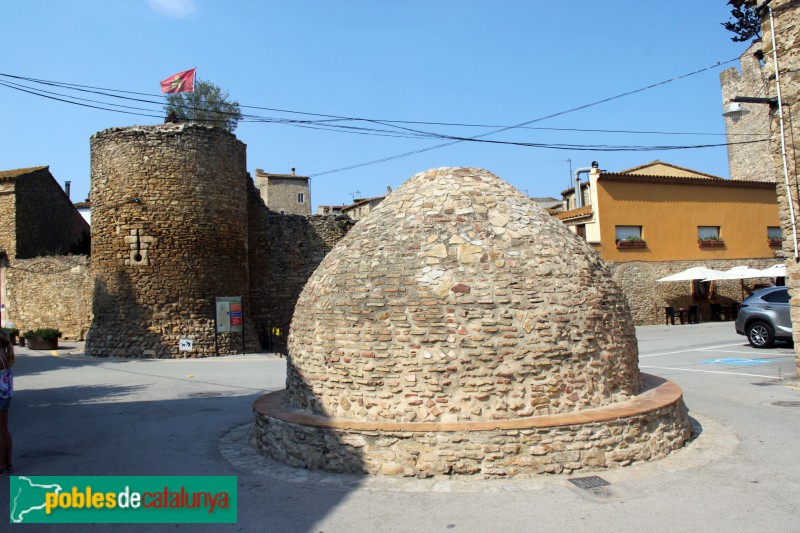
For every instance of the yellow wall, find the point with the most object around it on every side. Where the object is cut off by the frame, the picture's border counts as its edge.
(670, 214)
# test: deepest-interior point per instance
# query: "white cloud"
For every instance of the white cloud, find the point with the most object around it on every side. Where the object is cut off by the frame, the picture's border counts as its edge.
(173, 8)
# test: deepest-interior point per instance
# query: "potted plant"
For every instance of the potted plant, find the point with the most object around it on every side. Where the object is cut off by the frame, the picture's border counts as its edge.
(631, 242)
(42, 338)
(775, 242)
(710, 241)
(13, 334)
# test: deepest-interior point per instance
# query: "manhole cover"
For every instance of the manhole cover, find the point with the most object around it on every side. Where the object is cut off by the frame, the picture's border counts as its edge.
(786, 404)
(205, 394)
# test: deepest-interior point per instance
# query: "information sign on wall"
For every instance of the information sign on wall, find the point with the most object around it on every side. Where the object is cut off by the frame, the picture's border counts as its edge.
(229, 314)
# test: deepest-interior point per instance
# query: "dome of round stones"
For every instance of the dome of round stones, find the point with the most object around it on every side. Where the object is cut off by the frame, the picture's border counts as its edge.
(459, 299)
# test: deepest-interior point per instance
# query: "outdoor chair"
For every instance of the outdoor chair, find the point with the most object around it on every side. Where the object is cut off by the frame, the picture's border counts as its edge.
(669, 315)
(716, 312)
(693, 317)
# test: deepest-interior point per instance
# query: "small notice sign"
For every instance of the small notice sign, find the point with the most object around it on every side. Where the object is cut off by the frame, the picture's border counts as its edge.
(186, 345)
(229, 314)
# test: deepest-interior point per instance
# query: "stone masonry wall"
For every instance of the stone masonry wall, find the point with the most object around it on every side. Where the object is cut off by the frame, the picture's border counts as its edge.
(50, 292)
(169, 234)
(787, 44)
(509, 452)
(284, 250)
(647, 297)
(46, 221)
(748, 161)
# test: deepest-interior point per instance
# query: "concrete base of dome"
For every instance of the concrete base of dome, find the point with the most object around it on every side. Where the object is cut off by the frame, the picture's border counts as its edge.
(646, 427)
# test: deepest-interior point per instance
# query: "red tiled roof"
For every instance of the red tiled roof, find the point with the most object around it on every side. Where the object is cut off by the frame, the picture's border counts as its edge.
(580, 212)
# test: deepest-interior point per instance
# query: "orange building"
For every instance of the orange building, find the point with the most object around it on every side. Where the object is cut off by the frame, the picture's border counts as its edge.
(659, 219)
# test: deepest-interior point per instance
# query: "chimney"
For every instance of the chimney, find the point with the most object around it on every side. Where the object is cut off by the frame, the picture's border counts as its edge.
(293, 171)
(388, 190)
(66, 187)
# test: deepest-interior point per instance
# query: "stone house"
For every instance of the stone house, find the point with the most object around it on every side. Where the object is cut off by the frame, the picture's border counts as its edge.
(41, 286)
(287, 194)
(657, 219)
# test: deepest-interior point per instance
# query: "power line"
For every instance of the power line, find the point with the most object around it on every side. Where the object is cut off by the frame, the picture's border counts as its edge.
(334, 123)
(598, 102)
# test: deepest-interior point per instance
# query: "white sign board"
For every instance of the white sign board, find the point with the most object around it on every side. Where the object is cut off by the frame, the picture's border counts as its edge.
(186, 345)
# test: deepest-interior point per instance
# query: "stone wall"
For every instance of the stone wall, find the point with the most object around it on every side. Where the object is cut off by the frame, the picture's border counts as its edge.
(750, 161)
(647, 297)
(50, 292)
(169, 235)
(787, 45)
(284, 250)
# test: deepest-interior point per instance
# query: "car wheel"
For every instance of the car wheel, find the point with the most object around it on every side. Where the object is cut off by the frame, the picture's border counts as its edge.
(760, 334)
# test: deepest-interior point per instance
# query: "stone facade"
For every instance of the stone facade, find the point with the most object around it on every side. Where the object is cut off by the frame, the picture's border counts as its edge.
(169, 234)
(282, 193)
(786, 15)
(50, 292)
(459, 329)
(647, 298)
(748, 160)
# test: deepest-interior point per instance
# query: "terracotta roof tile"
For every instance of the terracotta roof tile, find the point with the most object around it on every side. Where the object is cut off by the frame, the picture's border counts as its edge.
(580, 212)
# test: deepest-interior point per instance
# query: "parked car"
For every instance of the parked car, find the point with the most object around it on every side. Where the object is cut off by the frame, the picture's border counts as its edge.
(764, 317)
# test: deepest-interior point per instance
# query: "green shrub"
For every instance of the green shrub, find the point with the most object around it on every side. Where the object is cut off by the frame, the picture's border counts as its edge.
(12, 332)
(49, 334)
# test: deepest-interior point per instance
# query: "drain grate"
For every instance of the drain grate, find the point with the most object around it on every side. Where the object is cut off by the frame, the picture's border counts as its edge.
(595, 488)
(786, 404)
(588, 482)
(205, 394)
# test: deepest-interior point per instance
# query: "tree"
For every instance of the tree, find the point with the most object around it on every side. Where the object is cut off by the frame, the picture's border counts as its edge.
(747, 23)
(207, 104)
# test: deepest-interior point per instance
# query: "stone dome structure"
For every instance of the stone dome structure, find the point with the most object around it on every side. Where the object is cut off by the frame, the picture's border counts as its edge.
(459, 298)
(456, 312)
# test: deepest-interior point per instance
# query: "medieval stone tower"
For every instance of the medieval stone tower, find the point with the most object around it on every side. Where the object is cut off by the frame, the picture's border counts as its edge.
(169, 234)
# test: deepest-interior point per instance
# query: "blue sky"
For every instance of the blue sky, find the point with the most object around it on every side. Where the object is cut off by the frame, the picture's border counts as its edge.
(468, 62)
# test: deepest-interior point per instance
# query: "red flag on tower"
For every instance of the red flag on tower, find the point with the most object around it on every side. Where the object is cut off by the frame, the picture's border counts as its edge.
(181, 82)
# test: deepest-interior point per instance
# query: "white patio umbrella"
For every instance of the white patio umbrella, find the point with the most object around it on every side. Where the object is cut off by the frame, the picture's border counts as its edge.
(738, 272)
(698, 272)
(775, 271)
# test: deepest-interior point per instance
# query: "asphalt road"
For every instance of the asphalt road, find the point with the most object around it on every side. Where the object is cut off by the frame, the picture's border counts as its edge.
(76, 415)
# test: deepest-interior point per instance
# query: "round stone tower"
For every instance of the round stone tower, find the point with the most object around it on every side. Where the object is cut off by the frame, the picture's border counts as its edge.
(458, 328)
(169, 234)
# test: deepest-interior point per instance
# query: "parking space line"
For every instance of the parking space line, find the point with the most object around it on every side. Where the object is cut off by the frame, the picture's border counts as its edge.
(690, 350)
(709, 371)
(786, 356)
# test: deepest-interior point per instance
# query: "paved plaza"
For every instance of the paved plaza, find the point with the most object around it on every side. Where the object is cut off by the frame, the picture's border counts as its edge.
(78, 415)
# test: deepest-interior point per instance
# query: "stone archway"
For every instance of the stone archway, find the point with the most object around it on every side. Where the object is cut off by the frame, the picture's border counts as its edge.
(638, 282)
